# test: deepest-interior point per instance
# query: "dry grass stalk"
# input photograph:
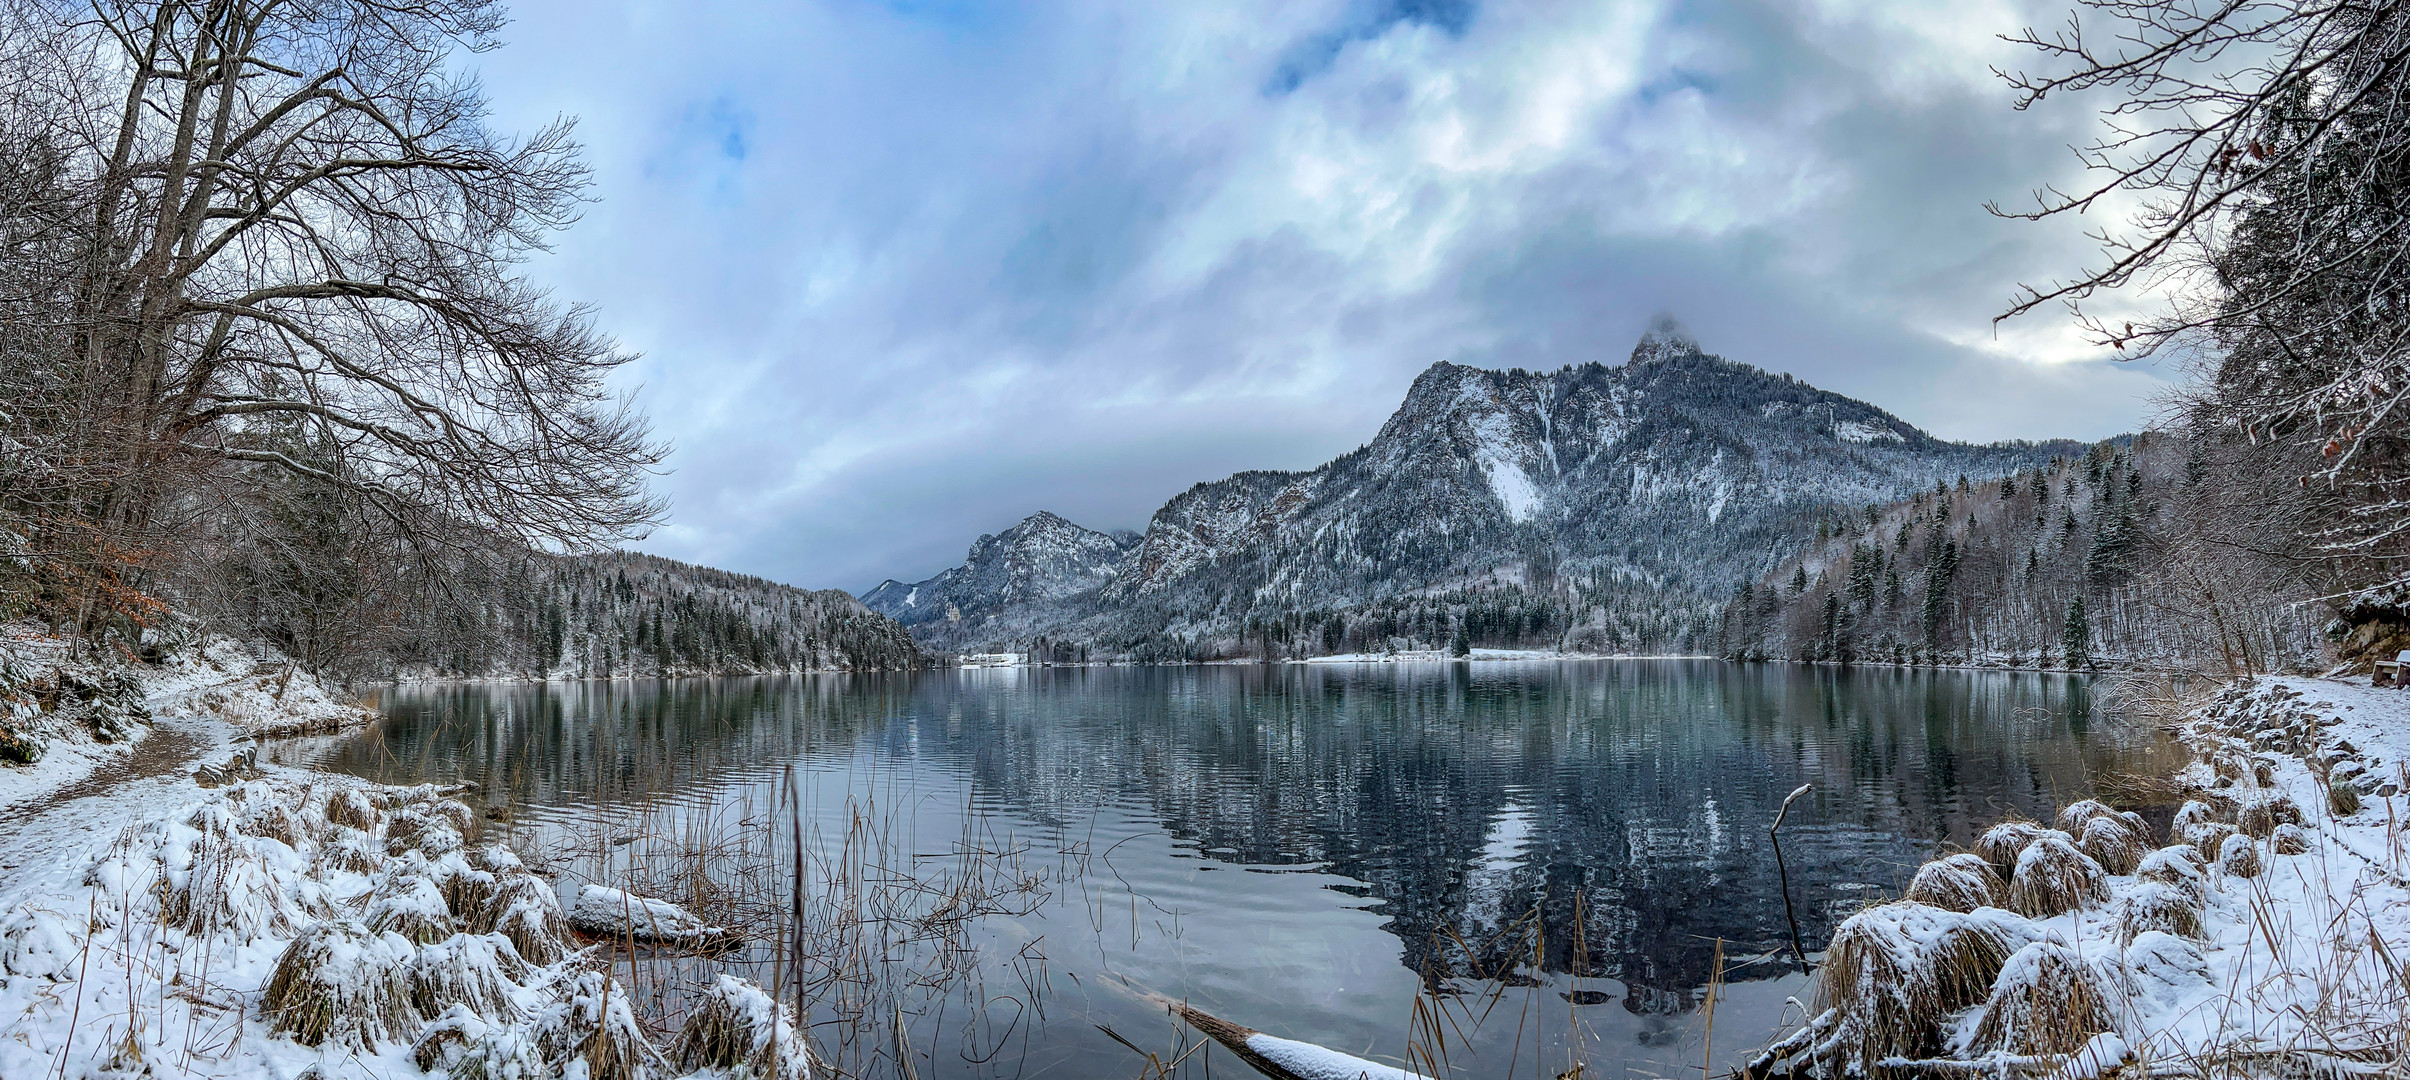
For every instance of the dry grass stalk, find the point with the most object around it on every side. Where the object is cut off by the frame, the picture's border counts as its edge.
(2151, 905)
(2238, 857)
(1960, 882)
(341, 982)
(2053, 878)
(2048, 1000)
(2116, 841)
(1895, 972)
(2001, 844)
(739, 1031)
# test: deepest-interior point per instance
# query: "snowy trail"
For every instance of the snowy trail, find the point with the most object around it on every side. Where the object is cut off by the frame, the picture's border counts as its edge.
(46, 838)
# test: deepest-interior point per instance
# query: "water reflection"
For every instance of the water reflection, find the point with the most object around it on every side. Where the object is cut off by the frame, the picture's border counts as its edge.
(1626, 803)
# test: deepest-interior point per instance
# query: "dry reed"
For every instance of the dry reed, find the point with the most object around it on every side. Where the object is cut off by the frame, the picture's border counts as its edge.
(2001, 844)
(341, 982)
(1960, 882)
(2048, 1000)
(1895, 971)
(2053, 878)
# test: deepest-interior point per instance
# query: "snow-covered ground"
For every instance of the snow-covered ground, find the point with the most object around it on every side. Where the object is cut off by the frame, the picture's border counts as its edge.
(2265, 934)
(89, 720)
(298, 923)
(169, 907)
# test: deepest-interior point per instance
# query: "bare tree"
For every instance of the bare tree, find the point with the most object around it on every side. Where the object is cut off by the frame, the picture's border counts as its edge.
(2269, 145)
(293, 227)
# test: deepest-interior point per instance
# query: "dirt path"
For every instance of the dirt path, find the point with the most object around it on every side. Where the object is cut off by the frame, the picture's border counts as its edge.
(40, 827)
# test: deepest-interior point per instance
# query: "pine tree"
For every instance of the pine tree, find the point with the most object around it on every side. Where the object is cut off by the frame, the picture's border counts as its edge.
(1831, 649)
(1799, 582)
(2075, 641)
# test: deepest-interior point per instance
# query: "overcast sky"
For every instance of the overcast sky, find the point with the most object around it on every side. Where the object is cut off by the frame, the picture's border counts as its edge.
(904, 272)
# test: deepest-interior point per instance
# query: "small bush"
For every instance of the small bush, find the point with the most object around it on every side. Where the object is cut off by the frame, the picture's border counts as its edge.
(739, 1031)
(2115, 842)
(2177, 865)
(2342, 800)
(408, 902)
(2207, 839)
(525, 909)
(19, 747)
(592, 1025)
(2151, 905)
(427, 829)
(353, 808)
(2289, 840)
(2074, 815)
(479, 971)
(1896, 971)
(2191, 815)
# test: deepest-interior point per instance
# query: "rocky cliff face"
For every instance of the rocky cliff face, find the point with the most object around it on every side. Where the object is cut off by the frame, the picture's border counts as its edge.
(1043, 560)
(1675, 472)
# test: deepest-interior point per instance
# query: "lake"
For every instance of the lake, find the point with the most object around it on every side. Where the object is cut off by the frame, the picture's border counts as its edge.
(1504, 868)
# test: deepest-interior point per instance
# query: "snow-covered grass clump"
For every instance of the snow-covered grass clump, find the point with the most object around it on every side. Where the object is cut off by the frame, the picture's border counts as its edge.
(1961, 882)
(301, 921)
(2261, 939)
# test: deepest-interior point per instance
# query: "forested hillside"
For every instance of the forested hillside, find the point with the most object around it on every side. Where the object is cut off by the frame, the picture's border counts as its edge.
(2084, 562)
(627, 615)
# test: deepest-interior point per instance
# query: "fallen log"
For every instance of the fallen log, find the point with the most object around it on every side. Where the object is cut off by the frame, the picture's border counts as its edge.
(610, 914)
(1278, 1058)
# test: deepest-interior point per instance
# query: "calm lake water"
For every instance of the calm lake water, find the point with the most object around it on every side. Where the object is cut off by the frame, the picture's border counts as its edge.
(1511, 866)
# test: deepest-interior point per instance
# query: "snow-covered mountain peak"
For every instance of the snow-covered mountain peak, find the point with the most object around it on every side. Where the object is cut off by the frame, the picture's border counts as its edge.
(1686, 472)
(1666, 338)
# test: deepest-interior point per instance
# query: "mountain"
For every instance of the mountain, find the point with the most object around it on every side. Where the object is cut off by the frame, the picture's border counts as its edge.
(1042, 560)
(1596, 505)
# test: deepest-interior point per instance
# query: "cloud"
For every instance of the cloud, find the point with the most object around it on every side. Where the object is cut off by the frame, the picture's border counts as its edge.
(905, 272)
